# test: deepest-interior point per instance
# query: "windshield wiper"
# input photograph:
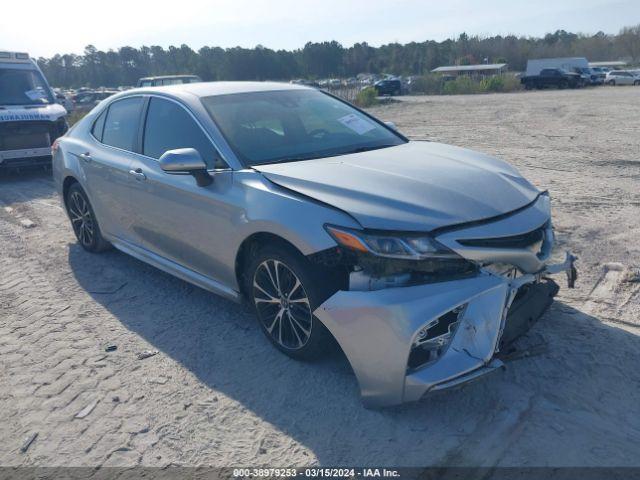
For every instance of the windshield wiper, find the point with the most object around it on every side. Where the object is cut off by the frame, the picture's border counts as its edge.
(316, 156)
(292, 159)
(368, 148)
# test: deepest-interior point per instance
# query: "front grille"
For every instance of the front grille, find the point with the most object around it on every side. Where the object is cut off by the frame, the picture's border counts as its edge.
(27, 134)
(25, 162)
(534, 238)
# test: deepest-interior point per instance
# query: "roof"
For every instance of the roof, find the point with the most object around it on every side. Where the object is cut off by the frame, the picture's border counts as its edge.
(207, 89)
(470, 68)
(615, 63)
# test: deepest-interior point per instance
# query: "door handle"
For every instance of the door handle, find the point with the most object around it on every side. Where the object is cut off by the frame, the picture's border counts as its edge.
(138, 174)
(86, 156)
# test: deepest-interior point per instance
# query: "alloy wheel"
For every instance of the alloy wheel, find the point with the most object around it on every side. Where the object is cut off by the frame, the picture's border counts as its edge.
(282, 304)
(81, 219)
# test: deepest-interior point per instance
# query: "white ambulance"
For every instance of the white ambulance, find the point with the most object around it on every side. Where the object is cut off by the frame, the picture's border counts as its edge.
(30, 118)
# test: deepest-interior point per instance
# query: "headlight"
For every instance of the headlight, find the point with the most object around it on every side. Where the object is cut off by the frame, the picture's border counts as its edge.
(401, 246)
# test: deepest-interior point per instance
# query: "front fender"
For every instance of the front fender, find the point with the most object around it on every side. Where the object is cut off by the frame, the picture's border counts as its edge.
(268, 208)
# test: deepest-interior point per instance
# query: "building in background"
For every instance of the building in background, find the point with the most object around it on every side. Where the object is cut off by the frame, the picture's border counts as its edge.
(481, 70)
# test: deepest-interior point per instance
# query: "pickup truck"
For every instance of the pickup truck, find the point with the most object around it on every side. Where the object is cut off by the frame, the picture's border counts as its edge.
(552, 77)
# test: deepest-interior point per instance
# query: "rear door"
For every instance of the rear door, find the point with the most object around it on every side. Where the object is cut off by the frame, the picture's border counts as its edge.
(106, 158)
(174, 218)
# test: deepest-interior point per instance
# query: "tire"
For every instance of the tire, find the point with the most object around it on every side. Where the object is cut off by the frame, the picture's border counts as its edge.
(285, 314)
(83, 220)
(612, 83)
(636, 83)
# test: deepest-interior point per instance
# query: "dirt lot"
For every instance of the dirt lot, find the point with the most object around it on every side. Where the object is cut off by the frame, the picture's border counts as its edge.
(217, 393)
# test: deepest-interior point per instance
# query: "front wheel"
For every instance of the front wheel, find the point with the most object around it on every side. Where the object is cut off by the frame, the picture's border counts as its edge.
(284, 290)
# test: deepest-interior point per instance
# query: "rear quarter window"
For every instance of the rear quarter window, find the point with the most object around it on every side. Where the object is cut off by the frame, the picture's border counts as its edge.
(98, 126)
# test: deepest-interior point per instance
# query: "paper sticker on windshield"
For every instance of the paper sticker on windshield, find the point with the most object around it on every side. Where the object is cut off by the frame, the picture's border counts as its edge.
(356, 123)
(36, 94)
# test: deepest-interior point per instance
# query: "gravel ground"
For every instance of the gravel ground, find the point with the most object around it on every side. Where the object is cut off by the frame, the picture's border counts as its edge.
(216, 393)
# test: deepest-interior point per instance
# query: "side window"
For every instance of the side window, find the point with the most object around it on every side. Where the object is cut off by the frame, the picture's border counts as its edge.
(169, 126)
(98, 126)
(121, 125)
(146, 83)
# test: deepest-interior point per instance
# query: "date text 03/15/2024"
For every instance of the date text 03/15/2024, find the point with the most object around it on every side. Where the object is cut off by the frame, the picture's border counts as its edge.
(315, 472)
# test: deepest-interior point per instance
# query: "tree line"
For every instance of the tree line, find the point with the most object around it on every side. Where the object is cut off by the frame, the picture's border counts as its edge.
(125, 65)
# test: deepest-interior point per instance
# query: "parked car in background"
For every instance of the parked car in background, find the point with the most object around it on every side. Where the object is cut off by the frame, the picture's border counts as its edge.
(64, 99)
(168, 80)
(585, 75)
(589, 77)
(621, 77)
(421, 260)
(553, 77)
(600, 74)
(30, 118)
(87, 99)
(388, 87)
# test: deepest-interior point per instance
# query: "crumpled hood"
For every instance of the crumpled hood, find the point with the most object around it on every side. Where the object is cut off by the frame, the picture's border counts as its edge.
(417, 186)
(36, 112)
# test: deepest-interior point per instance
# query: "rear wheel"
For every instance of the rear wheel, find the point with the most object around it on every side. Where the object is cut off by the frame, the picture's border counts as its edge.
(83, 220)
(284, 290)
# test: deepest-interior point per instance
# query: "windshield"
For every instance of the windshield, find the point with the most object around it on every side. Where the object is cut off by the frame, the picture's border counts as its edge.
(290, 125)
(23, 87)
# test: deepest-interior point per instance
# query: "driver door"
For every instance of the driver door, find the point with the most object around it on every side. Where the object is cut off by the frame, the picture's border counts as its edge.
(173, 217)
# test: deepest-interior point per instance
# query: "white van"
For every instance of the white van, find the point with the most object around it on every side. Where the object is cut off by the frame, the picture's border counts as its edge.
(30, 118)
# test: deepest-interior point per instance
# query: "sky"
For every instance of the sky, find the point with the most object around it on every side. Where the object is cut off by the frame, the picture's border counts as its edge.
(43, 28)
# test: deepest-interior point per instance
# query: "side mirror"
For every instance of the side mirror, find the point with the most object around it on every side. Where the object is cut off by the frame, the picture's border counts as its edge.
(186, 161)
(391, 125)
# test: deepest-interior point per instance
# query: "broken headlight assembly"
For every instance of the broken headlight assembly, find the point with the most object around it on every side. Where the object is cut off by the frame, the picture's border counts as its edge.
(386, 260)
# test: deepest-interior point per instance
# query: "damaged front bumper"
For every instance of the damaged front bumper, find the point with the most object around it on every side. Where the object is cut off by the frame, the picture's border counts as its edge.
(377, 330)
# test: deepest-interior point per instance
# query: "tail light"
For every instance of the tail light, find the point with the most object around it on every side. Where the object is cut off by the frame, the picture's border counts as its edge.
(54, 146)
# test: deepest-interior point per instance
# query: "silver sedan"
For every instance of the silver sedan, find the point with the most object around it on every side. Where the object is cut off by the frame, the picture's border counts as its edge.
(621, 77)
(421, 260)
